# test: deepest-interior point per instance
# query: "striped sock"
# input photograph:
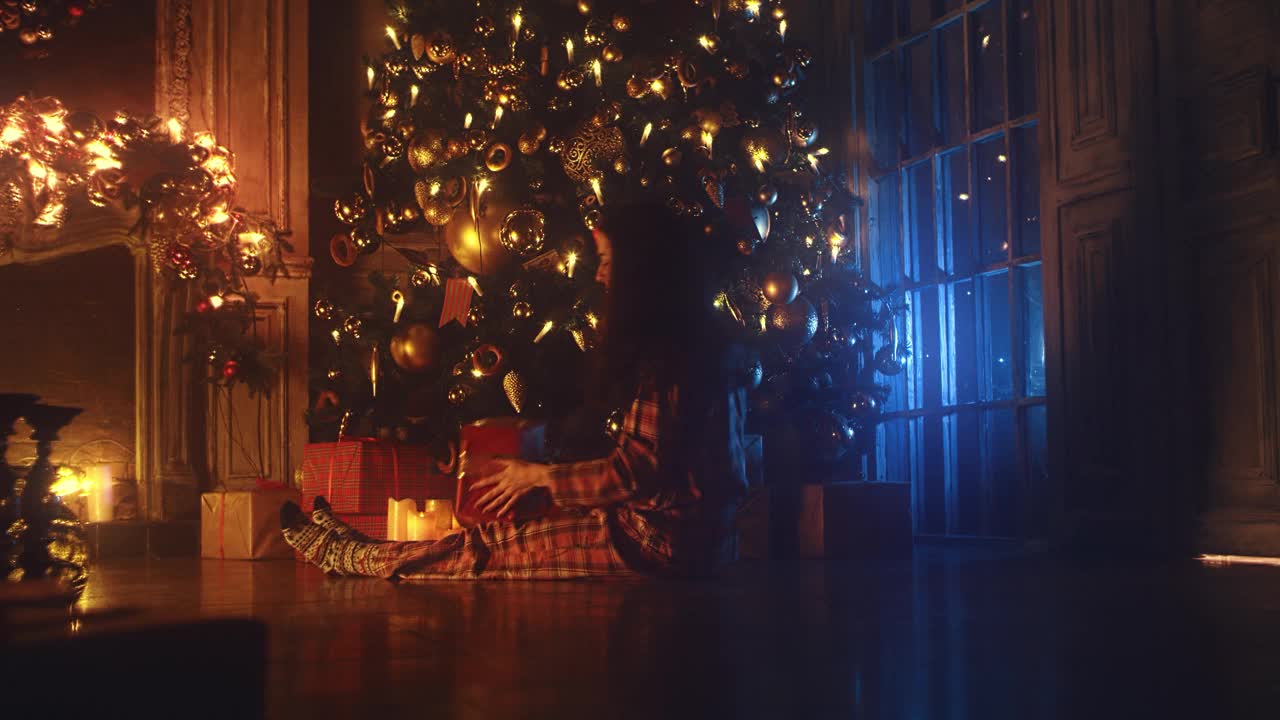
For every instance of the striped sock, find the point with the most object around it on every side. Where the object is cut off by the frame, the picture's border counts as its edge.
(322, 515)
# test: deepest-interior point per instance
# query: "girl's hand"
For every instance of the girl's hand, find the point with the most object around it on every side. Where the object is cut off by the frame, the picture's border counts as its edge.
(508, 480)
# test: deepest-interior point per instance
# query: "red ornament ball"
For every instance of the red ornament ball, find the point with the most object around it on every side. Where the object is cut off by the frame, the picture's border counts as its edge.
(230, 369)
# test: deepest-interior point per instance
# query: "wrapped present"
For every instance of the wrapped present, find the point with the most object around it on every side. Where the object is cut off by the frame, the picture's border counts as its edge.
(357, 475)
(853, 518)
(244, 524)
(374, 525)
(500, 437)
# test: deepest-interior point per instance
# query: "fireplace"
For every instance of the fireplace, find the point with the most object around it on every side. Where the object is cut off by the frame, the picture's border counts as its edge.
(71, 340)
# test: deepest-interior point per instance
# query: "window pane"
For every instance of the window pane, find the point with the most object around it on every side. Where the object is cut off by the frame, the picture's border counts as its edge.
(991, 160)
(951, 92)
(997, 365)
(1032, 327)
(954, 203)
(886, 238)
(1037, 442)
(927, 347)
(1022, 57)
(918, 67)
(920, 224)
(885, 111)
(963, 355)
(966, 478)
(1026, 189)
(986, 53)
(1000, 439)
(893, 451)
(933, 477)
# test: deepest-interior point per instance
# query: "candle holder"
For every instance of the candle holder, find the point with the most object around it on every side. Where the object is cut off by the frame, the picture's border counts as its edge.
(52, 543)
(12, 407)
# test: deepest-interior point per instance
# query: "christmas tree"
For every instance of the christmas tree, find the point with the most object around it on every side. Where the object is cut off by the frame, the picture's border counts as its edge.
(498, 131)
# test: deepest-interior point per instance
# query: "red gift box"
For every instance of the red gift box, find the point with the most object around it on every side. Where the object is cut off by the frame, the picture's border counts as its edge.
(357, 475)
(500, 437)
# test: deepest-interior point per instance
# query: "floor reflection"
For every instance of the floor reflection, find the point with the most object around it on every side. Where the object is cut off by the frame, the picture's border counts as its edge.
(946, 634)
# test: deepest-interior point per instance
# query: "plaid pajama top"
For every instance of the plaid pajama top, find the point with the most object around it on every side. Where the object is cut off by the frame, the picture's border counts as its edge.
(629, 511)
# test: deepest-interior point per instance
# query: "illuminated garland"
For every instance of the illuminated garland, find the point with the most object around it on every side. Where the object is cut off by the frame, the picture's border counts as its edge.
(182, 184)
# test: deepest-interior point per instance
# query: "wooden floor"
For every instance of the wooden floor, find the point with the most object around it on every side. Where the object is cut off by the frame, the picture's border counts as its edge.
(946, 634)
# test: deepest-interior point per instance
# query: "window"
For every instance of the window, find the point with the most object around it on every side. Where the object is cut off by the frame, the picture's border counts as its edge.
(953, 223)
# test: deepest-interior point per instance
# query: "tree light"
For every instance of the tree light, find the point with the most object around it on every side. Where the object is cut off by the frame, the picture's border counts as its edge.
(215, 301)
(599, 72)
(413, 94)
(595, 188)
(568, 49)
(11, 134)
(369, 72)
(397, 297)
(570, 262)
(644, 136)
(395, 38)
(546, 328)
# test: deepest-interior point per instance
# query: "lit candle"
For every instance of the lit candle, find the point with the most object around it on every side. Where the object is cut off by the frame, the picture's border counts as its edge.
(373, 369)
(568, 49)
(707, 140)
(546, 328)
(599, 72)
(100, 505)
(782, 30)
(395, 38)
(497, 117)
(398, 514)
(595, 188)
(570, 262)
(397, 297)
(413, 94)
(436, 519)
(644, 136)
(466, 122)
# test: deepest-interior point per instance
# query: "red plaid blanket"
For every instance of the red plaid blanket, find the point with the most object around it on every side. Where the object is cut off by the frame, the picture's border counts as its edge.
(357, 475)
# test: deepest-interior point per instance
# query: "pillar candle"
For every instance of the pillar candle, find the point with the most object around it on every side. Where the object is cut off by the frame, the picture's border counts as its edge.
(415, 527)
(100, 505)
(398, 514)
(438, 517)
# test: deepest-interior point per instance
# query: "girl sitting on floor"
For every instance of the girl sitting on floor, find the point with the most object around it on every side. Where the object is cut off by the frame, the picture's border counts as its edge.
(662, 502)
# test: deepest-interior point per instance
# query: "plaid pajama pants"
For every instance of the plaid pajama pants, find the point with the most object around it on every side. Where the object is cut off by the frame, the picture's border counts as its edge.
(575, 544)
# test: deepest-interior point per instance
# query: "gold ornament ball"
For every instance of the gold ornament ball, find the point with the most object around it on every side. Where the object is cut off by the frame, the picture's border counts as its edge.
(477, 138)
(555, 146)
(637, 87)
(415, 348)
(420, 278)
(570, 79)
(458, 393)
(528, 144)
(323, 309)
(455, 148)
(364, 239)
(591, 219)
(595, 33)
(476, 315)
(435, 210)
(351, 210)
(522, 310)
(588, 150)
(671, 157)
(766, 194)
(622, 166)
(333, 374)
(611, 54)
(476, 242)
(524, 231)
(427, 149)
(483, 26)
(250, 264)
(621, 22)
(780, 287)
(584, 7)
(804, 134)
(353, 327)
(793, 324)
(746, 246)
(441, 48)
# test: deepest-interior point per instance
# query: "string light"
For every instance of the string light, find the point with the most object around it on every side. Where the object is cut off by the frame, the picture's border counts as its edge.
(475, 285)
(759, 156)
(497, 117)
(395, 38)
(570, 262)
(413, 94)
(595, 188)
(216, 301)
(466, 122)
(707, 140)
(546, 328)
(753, 8)
(782, 30)
(644, 135)
(598, 70)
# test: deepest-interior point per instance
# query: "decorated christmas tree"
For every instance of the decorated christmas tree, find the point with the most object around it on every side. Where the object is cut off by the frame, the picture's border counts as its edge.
(499, 131)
